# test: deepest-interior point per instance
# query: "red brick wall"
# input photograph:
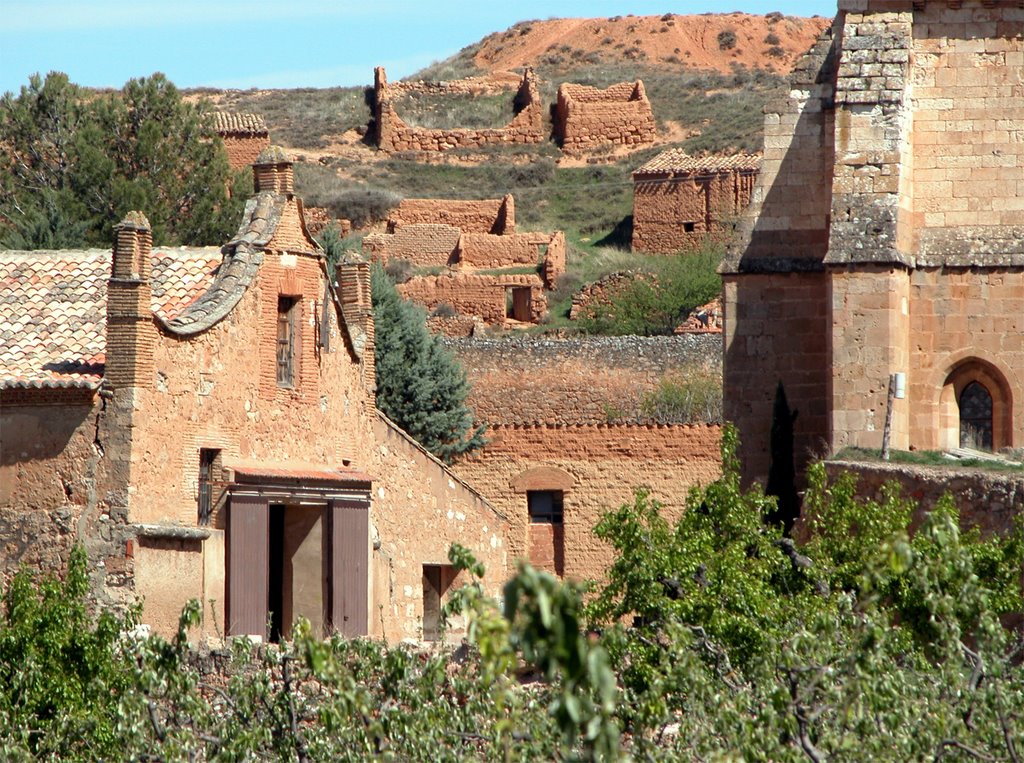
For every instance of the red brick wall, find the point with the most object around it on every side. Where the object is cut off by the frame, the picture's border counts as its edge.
(423, 244)
(479, 295)
(484, 216)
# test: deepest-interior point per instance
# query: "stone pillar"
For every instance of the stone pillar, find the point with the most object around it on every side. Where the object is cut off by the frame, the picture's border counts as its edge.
(353, 280)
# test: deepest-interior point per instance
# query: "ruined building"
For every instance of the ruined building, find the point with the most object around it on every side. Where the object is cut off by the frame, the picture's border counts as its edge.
(394, 134)
(679, 200)
(587, 118)
(491, 272)
(885, 237)
(203, 420)
(244, 136)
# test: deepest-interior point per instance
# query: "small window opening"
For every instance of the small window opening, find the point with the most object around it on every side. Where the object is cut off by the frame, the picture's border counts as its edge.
(207, 464)
(976, 417)
(287, 325)
(545, 506)
(689, 227)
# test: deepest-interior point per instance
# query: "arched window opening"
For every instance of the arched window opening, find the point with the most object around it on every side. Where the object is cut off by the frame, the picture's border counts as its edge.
(976, 417)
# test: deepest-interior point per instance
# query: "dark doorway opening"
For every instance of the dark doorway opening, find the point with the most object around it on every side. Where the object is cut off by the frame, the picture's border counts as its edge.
(275, 579)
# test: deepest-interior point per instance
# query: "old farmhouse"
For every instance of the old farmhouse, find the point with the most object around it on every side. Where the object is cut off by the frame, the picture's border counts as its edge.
(204, 421)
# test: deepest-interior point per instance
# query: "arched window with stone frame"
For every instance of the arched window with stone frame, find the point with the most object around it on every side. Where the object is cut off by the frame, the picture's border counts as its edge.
(976, 407)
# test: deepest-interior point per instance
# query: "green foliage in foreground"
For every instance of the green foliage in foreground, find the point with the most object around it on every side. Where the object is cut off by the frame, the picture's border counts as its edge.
(714, 639)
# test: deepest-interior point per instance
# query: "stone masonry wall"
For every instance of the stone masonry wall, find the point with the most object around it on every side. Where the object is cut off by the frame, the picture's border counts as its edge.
(587, 117)
(394, 134)
(990, 501)
(485, 250)
(599, 466)
(530, 380)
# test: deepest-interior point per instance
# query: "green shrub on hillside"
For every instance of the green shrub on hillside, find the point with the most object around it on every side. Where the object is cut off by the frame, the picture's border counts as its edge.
(656, 305)
(686, 398)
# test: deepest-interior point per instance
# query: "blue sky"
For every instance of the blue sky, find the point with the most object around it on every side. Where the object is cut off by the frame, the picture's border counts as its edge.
(257, 43)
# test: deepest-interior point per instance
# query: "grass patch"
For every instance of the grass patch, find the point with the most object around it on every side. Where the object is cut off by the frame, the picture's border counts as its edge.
(924, 458)
(456, 111)
(303, 117)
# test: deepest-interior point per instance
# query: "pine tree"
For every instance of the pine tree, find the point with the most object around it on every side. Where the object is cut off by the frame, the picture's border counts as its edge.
(75, 163)
(420, 385)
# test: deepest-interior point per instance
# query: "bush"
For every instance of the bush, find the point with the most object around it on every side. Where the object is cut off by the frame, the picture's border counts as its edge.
(656, 305)
(726, 39)
(694, 398)
(775, 52)
(771, 39)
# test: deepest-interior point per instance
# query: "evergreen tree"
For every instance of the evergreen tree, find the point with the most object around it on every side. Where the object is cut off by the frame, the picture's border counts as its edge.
(420, 385)
(78, 162)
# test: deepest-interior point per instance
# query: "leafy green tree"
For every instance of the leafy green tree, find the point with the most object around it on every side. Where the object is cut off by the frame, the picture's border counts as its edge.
(420, 385)
(78, 161)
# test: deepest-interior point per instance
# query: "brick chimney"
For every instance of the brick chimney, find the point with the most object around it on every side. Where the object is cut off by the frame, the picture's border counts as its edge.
(357, 310)
(131, 332)
(272, 171)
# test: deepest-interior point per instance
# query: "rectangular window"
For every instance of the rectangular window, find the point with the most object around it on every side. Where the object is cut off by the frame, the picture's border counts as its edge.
(207, 461)
(287, 327)
(545, 506)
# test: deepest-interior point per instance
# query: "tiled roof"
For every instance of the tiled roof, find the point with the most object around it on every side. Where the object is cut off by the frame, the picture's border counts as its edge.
(244, 124)
(303, 472)
(53, 309)
(677, 160)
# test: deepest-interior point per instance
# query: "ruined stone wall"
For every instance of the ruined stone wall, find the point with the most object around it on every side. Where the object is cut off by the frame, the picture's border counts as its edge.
(52, 490)
(528, 380)
(394, 134)
(497, 216)
(588, 117)
(485, 250)
(423, 244)
(599, 467)
(479, 295)
(243, 149)
(672, 213)
(990, 501)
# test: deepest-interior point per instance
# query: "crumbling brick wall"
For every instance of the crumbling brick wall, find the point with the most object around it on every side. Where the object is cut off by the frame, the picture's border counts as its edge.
(394, 134)
(582, 380)
(497, 216)
(588, 117)
(678, 201)
(423, 244)
(485, 296)
(600, 466)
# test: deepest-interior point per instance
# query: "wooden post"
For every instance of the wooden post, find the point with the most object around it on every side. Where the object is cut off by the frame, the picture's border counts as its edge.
(887, 432)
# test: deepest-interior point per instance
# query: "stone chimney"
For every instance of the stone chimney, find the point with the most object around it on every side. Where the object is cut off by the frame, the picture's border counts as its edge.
(131, 332)
(272, 171)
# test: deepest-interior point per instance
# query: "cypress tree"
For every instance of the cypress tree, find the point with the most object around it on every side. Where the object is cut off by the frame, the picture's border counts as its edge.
(420, 384)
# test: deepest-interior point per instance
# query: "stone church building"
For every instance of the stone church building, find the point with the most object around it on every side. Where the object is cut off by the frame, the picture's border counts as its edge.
(886, 236)
(204, 421)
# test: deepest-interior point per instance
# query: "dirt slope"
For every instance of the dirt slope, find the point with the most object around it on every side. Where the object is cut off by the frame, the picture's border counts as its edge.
(708, 41)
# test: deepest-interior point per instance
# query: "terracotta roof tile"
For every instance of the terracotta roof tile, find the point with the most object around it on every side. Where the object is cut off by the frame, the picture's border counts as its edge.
(53, 309)
(239, 124)
(304, 473)
(677, 160)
